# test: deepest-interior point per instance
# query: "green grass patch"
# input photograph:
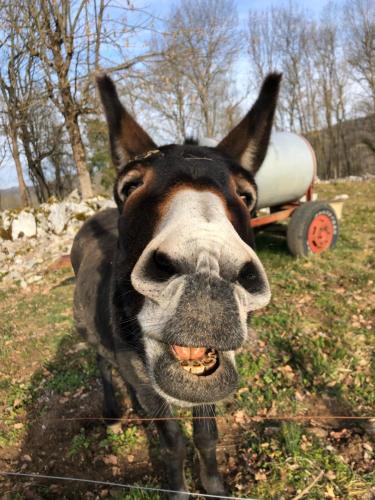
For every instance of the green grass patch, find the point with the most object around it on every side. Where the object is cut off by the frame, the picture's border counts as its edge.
(125, 441)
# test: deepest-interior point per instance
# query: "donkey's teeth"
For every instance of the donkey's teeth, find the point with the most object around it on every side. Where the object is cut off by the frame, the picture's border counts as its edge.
(188, 353)
(200, 366)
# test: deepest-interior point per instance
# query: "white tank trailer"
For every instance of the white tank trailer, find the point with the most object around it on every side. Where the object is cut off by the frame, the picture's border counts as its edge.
(287, 175)
(287, 171)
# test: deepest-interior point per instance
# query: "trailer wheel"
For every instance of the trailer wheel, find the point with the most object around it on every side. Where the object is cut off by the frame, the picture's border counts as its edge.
(312, 229)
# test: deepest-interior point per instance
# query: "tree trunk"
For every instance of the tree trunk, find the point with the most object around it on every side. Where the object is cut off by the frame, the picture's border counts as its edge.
(79, 157)
(72, 125)
(69, 110)
(35, 168)
(37, 172)
(25, 200)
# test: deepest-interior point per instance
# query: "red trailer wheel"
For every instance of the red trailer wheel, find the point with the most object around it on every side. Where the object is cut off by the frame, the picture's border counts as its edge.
(313, 229)
(320, 234)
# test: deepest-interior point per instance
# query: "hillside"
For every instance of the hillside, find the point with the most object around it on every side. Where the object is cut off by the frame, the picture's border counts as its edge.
(346, 149)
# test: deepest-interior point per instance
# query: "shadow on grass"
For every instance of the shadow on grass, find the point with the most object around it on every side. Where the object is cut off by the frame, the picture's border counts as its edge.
(272, 239)
(64, 389)
(66, 282)
(328, 399)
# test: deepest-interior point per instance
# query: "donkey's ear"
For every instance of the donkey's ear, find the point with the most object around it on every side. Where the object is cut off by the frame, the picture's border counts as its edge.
(247, 143)
(128, 139)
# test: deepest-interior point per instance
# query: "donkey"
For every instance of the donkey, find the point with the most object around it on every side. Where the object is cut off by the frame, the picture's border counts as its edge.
(165, 282)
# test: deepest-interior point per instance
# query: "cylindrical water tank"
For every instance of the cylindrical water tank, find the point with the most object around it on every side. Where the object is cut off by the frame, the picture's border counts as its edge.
(287, 171)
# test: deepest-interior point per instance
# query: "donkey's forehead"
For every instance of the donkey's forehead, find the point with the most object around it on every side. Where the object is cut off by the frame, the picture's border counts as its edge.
(190, 161)
(193, 155)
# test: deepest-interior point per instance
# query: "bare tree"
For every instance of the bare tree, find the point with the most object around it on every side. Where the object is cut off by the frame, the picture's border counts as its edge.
(41, 132)
(359, 19)
(68, 38)
(190, 84)
(311, 57)
(280, 39)
(13, 59)
(53, 35)
(331, 78)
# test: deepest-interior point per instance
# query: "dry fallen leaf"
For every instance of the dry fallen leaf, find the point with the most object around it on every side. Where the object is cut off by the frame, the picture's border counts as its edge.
(110, 459)
(241, 417)
(339, 434)
(330, 475)
(329, 493)
(115, 470)
(242, 390)
(260, 476)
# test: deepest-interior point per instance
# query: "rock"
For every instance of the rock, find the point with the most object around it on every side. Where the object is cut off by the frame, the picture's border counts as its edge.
(23, 225)
(41, 216)
(54, 225)
(18, 260)
(74, 196)
(34, 279)
(341, 197)
(41, 232)
(5, 220)
(107, 204)
(73, 227)
(81, 208)
(58, 217)
(318, 432)
(7, 248)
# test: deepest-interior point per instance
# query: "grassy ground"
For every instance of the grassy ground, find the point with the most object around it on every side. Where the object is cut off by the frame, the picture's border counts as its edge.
(313, 356)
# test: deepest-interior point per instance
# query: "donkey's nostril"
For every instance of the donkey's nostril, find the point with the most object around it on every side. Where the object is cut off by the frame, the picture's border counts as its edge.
(163, 265)
(250, 278)
(158, 268)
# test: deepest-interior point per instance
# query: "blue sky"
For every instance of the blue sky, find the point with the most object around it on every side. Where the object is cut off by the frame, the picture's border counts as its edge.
(160, 8)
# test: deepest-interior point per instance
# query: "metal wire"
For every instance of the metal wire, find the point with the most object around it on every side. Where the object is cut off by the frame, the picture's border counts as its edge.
(254, 418)
(119, 485)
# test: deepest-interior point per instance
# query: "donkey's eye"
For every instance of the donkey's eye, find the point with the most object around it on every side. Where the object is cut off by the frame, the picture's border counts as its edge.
(130, 187)
(247, 198)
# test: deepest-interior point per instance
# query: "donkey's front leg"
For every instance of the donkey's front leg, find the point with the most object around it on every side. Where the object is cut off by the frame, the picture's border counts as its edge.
(205, 438)
(111, 408)
(173, 450)
(173, 454)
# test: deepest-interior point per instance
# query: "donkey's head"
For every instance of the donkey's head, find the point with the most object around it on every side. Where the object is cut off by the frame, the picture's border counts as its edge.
(186, 268)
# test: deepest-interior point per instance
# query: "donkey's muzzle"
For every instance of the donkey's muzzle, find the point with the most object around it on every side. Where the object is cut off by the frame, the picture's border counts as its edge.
(206, 316)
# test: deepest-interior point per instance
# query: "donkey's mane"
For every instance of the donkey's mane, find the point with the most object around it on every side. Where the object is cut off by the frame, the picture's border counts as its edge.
(191, 141)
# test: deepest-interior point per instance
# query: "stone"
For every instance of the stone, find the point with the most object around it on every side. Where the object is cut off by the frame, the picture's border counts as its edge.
(34, 279)
(341, 197)
(107, 204)
(6, 220)
(23, 225)
(14, 276)
(58, 217)
(41, 232)
(42, 222)
(80, 208)
(74, 196)
(53, 225)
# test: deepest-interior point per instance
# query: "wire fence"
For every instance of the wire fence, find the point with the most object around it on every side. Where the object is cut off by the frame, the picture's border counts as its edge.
(246, 418)
(119, 485)
(256, 418)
